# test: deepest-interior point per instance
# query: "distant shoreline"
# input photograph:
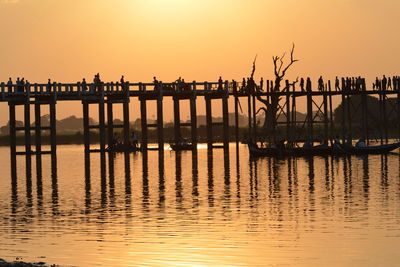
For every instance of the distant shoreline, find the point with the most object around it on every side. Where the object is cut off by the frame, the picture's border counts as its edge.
(4, 263)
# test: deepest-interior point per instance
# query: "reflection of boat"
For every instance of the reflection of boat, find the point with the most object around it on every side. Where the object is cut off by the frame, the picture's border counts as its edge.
(121, 148)
(381, 149)
(182, 146)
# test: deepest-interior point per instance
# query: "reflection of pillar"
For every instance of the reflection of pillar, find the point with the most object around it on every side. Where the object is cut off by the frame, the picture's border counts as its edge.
(13, 143)
(161, 179)
(128, 188)
(178, 177)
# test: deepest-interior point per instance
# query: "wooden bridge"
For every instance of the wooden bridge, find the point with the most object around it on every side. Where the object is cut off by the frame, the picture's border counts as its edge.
(106, 95)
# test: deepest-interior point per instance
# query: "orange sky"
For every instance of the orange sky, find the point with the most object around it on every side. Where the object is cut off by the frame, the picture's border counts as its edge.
(196, 39)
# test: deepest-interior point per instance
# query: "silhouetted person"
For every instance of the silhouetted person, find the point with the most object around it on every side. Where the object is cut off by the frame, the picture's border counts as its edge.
(302, 84)
(384, 83)
(389, 83)
(243, 84)
(84, 85)
(220, 83)
(261, 84)
(308, 85)
(361, 143)
(9, 85)
(320, 84)
(337, 84)
(234, 86)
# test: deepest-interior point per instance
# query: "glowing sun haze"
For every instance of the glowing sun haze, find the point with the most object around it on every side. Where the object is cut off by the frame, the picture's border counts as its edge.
(67, 40)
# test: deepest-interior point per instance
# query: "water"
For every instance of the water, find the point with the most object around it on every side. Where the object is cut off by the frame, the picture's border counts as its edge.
(182, 210)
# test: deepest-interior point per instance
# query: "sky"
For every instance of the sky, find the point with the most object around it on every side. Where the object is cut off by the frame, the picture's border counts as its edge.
(200, 40)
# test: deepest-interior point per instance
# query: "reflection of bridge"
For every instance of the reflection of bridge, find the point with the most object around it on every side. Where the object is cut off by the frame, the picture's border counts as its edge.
(105, 95)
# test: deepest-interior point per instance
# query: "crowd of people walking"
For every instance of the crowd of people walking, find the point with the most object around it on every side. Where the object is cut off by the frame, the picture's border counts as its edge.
(247, 85)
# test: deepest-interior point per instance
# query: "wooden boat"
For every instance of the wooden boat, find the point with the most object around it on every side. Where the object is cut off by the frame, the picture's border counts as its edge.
(183, 146)
(256, 151)
(381, 149)
(121, 148)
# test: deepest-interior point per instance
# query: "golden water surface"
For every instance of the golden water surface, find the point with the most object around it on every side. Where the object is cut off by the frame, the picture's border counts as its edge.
(204, 209)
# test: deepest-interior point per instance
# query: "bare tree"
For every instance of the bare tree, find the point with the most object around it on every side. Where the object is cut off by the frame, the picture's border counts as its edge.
(271, 105)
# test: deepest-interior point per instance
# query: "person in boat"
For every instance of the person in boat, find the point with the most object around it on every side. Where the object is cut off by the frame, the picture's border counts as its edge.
(308, 144)
(281, 144)
(135, 140)
(361, 143)
(336, 143)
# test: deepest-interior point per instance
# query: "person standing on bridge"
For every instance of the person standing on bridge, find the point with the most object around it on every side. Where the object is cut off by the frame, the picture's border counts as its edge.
(384, 83)
(9, 85)
(261, 84)
(308, 85)
(220, 83)
(337, 84)
(302, 84)
(320, 84)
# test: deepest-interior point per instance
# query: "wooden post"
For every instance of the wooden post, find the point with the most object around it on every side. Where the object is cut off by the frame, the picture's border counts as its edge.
(250, 131)
(177, 120)
(86, 133)
(27, 126)
(364, 115)
(143, 119)
(398, 108)
(331, 113)
(326, 120)
(343, 124)
(102, 126)
(349, 117)
(193, 117)
(13, 142)
(110, 123)
(310, 117)
(237, 121)
(53, 137)
(254, 117)
(288, 126)
(160, 121)
(38, 139)
(380, 116)
(125, 106)
(225, 116)
(209, 122)
(385, 124)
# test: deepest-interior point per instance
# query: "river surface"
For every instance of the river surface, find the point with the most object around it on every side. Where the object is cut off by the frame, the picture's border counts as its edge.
(183, 209)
